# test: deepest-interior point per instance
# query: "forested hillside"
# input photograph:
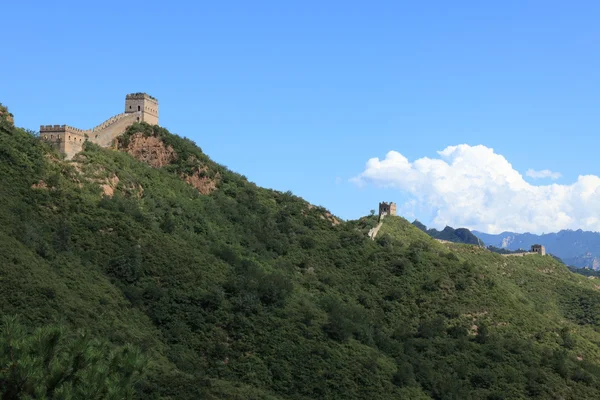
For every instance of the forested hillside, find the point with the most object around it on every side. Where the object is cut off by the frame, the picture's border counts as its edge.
(231, 291)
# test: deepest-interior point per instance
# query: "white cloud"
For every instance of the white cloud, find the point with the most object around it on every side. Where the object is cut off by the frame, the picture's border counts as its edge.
(545, 173)
(473, 187)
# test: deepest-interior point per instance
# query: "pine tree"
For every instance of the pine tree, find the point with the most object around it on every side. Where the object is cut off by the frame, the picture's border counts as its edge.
(52, 363)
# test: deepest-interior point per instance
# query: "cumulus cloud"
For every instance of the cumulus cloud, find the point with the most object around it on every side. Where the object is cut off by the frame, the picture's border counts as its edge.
(545, 173)
(474, 187)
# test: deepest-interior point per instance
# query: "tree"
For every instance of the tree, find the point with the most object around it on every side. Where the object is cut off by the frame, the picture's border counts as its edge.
(52, 363)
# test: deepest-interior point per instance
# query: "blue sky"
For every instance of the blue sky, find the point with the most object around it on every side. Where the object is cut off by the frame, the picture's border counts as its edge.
(300, 95)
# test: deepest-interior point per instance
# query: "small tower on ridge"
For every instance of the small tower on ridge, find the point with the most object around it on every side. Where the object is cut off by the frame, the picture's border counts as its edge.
(386, 209)
(145, 105)
(538, 248)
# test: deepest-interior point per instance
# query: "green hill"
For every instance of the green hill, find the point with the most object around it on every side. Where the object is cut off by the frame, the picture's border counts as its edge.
(232, 291)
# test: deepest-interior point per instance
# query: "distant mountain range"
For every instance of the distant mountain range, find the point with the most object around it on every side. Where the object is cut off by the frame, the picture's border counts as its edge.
(577, 248)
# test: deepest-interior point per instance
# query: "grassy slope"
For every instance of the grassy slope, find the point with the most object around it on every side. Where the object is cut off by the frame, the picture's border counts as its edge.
(532, 294)
(250, 293)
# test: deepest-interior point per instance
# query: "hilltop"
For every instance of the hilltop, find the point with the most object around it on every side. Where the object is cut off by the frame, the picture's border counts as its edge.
(460, 235)
(233, 291)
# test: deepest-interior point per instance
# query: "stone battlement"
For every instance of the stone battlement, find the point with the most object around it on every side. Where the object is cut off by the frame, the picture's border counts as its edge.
(61, 128)
(69, 140)
(53, 128)
(140, 96)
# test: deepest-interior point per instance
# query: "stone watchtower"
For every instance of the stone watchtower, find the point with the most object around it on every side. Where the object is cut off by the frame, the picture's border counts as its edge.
(145, 104)
(538, 248)
(386, 209)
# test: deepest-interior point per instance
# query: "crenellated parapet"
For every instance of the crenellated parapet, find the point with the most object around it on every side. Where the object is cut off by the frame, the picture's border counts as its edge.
(52, 128)
(108, 122)
(105, 135)
(63, 128)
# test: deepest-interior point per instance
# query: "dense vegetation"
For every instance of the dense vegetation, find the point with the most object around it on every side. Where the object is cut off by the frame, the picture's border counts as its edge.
(52, 363)
(248, 293)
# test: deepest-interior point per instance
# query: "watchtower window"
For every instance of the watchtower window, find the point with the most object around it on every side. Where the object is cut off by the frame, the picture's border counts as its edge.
(139, 108)
(130, 107)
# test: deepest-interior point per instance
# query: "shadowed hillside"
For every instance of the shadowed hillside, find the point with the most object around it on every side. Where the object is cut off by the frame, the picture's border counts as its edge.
(232, 291)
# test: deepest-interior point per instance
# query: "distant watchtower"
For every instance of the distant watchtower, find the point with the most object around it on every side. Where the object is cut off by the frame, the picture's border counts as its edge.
(386, 209)
(145, 105)
(538, 248)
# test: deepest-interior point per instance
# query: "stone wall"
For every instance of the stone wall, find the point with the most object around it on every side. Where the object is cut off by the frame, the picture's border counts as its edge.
(69, 140)
(104, 136)
(518, 254)
(528, 253)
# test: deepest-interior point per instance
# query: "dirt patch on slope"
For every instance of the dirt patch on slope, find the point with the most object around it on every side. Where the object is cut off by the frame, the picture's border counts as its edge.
(40, 185)
(109, 187)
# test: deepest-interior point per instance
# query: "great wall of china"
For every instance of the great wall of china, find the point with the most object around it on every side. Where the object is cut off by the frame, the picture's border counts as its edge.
(386, 209)
(69, 140)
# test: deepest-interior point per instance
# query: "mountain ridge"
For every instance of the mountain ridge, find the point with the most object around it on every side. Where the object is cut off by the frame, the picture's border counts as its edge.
(458, 235)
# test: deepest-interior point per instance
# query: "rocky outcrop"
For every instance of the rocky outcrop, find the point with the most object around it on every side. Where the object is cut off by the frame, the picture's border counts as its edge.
(329, 217)
(5, 115)
(326, 215)
(201, 182)
(151, 150)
